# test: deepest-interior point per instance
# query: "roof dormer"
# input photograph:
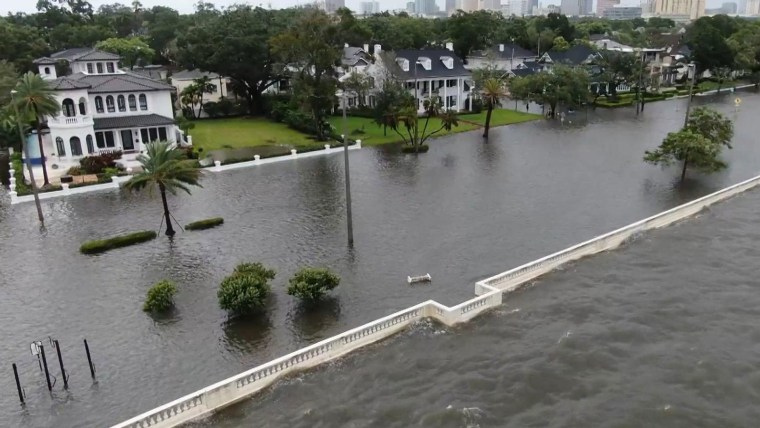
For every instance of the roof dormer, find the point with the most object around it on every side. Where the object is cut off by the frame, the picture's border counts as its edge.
(448, 62)
(426, 63)
(403, 63)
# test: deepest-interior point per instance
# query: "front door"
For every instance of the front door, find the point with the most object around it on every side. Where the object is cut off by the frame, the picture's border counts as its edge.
(126, 140)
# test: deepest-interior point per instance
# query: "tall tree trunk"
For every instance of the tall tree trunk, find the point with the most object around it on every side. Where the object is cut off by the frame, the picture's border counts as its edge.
(42, 153)
(488, 120)
(683, 171)
(169, 229)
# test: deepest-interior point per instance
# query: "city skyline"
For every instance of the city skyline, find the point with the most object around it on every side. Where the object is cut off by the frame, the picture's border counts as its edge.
(187, 6)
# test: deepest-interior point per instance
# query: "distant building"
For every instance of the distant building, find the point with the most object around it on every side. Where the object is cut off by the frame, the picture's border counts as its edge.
(677, 9)
(576, 7)
(411, 7)
(618, 13)
(752, 7)
(729, 8)
(332, 6)
(468, 5)
(543, 11)
(603, 5)
(451, 6)
(516, 7)
(369, 7)
(425, 7)
(504, 57)
(494, 5)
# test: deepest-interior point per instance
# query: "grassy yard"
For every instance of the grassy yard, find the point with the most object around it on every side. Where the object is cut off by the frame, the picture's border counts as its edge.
(242, 132)
(365, 129)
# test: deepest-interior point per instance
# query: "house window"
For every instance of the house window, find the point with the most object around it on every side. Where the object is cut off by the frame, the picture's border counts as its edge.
(162, 134)
(100, 68)
(109, 66)
(76, 146)
(121, 102)
(150, 135)
(90, 145)
(47, 70)
(82, 106)
(144, 135)
(109, 104)
(153, 134)
(132, 103)
(143, 102)
(105, 139)
(451, 83)
(89, 68)
(60, 147)
(68, 108)
(99, 104)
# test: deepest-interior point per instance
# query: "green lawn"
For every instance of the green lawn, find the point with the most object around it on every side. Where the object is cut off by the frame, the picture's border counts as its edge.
(365, 129)
(239, 132)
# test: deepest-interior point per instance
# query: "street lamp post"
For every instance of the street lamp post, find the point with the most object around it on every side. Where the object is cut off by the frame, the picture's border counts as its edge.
(25, 149)
(349, 219)
(693, 71)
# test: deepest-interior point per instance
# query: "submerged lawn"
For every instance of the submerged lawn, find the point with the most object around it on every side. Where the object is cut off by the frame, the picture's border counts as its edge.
(234, 133)
(366, 129)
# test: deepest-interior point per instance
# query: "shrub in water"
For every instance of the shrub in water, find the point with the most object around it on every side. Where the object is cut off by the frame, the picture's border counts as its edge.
(205, 224)
(412, 149)
(245, 291)
(310, 284)
(160, 297)
(99, 246)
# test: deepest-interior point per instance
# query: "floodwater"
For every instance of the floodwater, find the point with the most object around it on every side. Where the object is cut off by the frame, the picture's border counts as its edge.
(462, 212)
(660, 333)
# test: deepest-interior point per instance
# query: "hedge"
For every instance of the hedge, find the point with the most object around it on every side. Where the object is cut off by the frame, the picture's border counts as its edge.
(205, 224)
(160, 297)
(411, 149)
(103, 245)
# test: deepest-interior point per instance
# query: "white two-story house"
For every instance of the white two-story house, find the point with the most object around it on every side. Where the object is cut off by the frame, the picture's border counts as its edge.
(103, 108)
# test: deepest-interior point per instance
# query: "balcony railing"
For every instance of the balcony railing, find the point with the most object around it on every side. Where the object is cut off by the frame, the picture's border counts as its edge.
(73, 120)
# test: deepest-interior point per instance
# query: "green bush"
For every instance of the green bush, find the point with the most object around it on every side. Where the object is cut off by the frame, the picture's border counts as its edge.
(311, 284)
(205, 224)
(245, 291)
(102, 245)
(160, 297)
(410, 149)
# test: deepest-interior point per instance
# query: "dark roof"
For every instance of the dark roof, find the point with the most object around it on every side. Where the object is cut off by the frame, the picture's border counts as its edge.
(193, 74)
(131, 121)
(64, 82)
(519, 52)
(155, 72)
(84, 54)
(522, 72)
(576, 55)
(437, 68)
(353, 55)
(44, 60)
(119, 82)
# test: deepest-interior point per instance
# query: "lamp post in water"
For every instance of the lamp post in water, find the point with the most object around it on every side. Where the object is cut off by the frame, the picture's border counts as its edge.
(693, 72)
(349, 221)
(25, 149)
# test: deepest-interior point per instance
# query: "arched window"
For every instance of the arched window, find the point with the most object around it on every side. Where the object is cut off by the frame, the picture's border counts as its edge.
(109, 104)
(132, 103)
(60, 147)
(100, 67)
(90, 145)
(82, 106)
(99, 104)
(68, 109)
(109, 67)
(47, 70)
(76, 146)
(143, 102)
(121, 103)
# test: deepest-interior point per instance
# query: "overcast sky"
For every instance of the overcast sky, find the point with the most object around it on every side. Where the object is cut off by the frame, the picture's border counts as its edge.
(186, 6)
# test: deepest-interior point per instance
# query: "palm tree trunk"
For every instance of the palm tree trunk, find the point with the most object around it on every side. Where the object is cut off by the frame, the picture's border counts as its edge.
(488, 120)
(42, 153)
(169, 229)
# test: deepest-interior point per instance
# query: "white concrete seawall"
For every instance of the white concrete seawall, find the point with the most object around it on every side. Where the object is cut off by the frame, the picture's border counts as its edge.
(489, 294)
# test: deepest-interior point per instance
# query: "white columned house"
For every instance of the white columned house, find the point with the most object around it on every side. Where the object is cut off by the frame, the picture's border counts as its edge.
(103, 108)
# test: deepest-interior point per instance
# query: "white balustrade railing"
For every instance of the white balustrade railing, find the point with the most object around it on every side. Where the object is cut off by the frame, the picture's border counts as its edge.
(73, 120)
(489, 294)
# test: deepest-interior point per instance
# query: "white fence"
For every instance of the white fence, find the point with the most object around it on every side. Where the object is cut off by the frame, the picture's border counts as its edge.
(489, 294)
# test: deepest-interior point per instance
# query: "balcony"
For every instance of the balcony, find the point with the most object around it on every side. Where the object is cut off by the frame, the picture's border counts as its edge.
(69, 122)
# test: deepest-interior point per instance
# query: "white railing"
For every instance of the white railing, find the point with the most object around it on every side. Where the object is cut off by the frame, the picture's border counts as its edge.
(489, 294)
(74, 120)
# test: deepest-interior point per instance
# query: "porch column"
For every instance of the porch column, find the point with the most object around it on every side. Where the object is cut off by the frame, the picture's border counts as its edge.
(459, 94)
(446, 93)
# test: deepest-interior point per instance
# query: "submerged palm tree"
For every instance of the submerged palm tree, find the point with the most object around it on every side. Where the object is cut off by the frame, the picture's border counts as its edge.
(493, 91)
(167, 168)
(36, 99)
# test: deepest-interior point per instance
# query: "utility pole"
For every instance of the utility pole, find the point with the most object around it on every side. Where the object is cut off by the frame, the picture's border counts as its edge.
(693, 71)
(25, 149)
(349, 220)
(417, 105)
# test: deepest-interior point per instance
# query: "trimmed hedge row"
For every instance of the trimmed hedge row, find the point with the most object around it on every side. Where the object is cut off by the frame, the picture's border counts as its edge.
(103, 245)
(204, 224)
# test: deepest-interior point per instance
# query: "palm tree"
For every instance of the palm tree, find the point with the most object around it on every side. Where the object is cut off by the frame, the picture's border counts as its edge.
(493, 91)
(168, 168)
(203, 85)
(35, 99)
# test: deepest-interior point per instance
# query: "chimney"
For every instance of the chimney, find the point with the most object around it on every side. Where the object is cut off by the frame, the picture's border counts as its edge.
(366, 48)
(378, 49)
(501, 47)
(450, 46)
